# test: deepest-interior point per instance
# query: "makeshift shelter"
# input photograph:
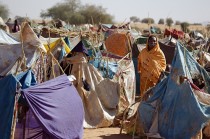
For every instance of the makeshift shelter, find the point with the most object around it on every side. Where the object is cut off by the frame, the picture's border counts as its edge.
(125, 76)
(47, 104)
(6, 38)
(100, 103)
(52, 43)
(56, 50)
(177, 108)
(3, 26)
(121, 71)
(7, 100)
(12, 56)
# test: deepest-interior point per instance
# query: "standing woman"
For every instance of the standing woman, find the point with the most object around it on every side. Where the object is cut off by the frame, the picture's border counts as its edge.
(151, 63)
(16, 27)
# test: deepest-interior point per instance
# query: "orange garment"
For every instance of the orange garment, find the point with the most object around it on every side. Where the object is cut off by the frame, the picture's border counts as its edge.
(150, 65)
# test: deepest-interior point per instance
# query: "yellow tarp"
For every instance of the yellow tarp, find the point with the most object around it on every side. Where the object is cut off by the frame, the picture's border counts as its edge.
(55, 43)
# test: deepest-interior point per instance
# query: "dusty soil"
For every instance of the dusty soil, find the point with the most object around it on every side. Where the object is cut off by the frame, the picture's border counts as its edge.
(105, 133)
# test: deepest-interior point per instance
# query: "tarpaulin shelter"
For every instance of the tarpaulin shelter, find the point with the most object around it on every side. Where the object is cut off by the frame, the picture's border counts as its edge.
(6, 38)
(56, 110)
(117, 70)
(7, 100)
(174, 110)
(54, 43)
(100, 103)
(12, 56)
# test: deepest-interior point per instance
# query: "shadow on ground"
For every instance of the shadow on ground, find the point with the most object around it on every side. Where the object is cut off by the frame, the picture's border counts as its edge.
(116, 136)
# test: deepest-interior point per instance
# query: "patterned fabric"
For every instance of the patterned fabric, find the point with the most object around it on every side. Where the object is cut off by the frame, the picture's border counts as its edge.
(150, 65)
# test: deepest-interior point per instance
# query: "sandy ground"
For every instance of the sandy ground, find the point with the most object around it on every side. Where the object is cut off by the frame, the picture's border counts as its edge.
(105, 133)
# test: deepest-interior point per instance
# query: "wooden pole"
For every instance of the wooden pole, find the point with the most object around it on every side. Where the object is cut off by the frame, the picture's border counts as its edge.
(12, 135)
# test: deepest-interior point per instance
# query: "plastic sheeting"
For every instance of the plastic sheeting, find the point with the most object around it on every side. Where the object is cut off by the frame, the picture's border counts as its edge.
(173, 110)
(121, 71)
(10, 54)
(106, 68)
(7, 99)
(26, 79)
(57, 107)
(6, 38)
(54, 44)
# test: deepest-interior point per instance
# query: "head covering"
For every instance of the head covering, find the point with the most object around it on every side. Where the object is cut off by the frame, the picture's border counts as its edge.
(80, 47)
(147, 43)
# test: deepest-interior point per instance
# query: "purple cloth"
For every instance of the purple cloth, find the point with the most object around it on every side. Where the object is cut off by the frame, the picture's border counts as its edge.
(58, 108)
(33, 129)
(80, 48)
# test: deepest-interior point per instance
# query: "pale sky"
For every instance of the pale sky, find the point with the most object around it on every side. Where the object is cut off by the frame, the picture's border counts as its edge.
(193, 11)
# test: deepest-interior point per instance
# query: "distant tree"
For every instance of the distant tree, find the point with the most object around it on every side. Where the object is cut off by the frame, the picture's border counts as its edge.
(161, 21)
(134, 19)
(148, 20)
(169, 22)
(177, 23)
(62, 11)
(74, 12)
(4, 11)
(197, 24)
(76, 19)
(184, 26)
(95, 14)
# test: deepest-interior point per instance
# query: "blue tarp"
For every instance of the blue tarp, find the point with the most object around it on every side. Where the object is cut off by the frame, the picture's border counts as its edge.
(135, 62)
(62, 54)
(179, 114)
(58, 108)
(26, 79)
(67, 41)
(102, 66)
(7, 99)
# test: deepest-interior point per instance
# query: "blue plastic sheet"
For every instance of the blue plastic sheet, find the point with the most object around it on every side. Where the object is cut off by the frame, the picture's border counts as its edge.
(26, 79)
(67, 41)
(135, 62)
(107, 70)
(7, 100)
(180, 114)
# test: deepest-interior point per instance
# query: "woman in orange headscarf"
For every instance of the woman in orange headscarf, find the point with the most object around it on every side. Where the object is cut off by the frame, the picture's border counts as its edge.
(151, 63)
